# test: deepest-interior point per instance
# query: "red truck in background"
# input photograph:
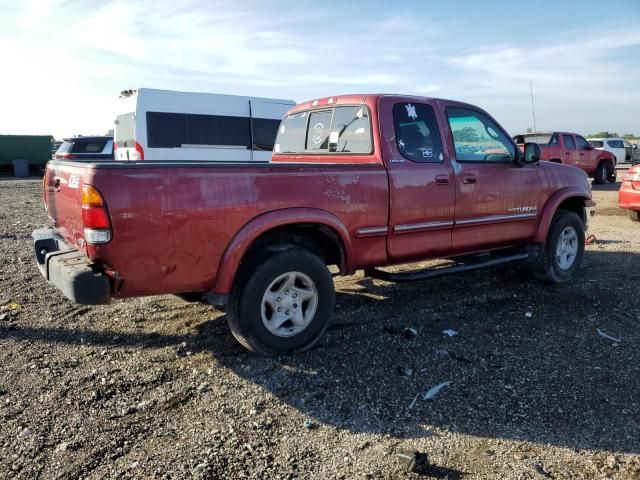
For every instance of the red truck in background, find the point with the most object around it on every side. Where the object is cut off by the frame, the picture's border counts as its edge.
(629, 193)
(572, 149)
(358, 181)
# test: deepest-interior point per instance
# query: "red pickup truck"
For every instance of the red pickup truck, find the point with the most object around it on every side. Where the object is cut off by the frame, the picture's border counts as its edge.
(573, 149)
(359, 182)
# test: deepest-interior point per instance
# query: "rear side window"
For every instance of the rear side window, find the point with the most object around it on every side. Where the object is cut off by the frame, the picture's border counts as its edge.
(125, 125)
(417, 133)
(170, 130)
(597, 143)
(264, 133)
(477, 138)
(342, 129)
(88, 147)
(615, 143)
(569, 142)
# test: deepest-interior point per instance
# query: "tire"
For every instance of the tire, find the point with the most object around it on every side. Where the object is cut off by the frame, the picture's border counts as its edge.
(262, 286)
(555, 264)
(634, 215)
(604, 172)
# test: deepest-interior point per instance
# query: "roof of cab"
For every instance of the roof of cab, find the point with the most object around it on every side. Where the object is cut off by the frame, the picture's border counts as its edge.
(361, 98)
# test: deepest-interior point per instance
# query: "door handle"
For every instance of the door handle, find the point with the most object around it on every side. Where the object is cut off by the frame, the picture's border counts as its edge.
(442, 179)
(56, 184)
(469, 179)
(567, 153)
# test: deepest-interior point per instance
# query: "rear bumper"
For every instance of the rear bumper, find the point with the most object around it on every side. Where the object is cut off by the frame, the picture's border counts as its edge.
(69, 270)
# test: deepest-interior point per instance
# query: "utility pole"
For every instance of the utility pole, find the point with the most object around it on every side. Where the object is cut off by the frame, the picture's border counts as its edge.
(533, 111)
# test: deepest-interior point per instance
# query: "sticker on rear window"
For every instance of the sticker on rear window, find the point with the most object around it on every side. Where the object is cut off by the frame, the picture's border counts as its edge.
(411, 111)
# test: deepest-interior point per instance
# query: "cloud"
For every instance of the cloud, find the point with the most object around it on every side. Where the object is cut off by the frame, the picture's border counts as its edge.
(582, 84)
(71, 59)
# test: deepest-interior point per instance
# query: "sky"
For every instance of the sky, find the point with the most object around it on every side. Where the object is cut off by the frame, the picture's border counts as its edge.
(64, 62)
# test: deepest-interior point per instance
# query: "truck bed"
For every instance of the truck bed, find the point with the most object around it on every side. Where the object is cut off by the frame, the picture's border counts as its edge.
(172, 221)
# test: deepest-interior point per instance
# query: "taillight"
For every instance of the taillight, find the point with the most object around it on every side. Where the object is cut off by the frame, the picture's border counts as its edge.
(44, 191)
(95, 218)
(65, 156)
(631, 177)
(140, 151)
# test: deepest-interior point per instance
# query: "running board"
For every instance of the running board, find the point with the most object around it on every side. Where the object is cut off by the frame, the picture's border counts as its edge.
(425, 273)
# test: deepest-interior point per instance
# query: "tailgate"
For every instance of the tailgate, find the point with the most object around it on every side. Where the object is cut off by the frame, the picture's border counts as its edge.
(63, 199)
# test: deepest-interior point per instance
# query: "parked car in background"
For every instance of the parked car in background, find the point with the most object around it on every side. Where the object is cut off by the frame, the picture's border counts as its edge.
(629, 194)
(168, 125)
(628, 151)
(613, 145)
(572, 149)
(357, 181)
(635, 153)
(86, 148)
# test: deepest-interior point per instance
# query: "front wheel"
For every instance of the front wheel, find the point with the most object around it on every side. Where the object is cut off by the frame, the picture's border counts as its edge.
(563, 249)
(282, 304)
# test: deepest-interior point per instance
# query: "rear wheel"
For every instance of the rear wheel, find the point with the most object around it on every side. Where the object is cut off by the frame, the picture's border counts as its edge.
(282, 303)
(634, 215)
(563, 249)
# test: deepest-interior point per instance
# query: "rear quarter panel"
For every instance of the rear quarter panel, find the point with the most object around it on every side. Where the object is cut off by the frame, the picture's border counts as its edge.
(172, 224)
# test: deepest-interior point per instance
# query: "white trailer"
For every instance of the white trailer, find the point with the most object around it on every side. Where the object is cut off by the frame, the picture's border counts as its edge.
(169, 125)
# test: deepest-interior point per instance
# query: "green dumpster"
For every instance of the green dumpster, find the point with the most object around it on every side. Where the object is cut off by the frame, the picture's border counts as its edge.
(35, 149)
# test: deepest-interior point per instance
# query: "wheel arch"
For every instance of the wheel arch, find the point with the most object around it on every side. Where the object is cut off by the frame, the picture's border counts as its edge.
(316, 230)
(566, 199)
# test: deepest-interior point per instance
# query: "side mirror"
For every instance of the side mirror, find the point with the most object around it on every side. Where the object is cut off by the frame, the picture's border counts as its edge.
(532, 152)
(635, 147)
(589, 147)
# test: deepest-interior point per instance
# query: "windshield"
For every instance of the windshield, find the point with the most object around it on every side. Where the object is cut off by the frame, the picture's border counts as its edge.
(125, 130)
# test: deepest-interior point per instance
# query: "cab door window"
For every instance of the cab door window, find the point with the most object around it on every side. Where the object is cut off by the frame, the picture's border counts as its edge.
(476, 138)
(569, 143)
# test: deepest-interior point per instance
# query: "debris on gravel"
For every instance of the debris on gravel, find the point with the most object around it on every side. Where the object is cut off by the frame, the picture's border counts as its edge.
(158, 388)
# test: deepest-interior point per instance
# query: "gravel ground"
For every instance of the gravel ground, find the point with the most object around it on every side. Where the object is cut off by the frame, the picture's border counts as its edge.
(158, 388)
